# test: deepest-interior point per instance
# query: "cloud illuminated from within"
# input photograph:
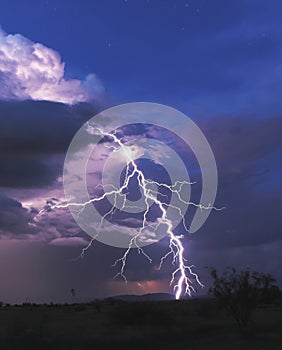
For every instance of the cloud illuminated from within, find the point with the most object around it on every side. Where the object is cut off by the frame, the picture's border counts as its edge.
(31, 70)
(69, 242)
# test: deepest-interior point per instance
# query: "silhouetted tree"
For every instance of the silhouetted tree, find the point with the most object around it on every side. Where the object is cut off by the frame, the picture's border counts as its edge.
(240, 292)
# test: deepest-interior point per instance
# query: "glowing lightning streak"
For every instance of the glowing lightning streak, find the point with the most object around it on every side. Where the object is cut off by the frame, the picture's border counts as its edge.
(183, 284)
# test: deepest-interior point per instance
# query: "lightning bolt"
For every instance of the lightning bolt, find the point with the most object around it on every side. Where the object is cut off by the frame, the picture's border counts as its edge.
(183, 277)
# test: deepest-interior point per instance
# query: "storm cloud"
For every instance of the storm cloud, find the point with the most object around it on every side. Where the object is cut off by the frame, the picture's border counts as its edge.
(34, 137)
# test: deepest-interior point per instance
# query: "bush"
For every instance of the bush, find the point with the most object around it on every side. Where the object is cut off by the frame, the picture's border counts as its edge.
(240, 292)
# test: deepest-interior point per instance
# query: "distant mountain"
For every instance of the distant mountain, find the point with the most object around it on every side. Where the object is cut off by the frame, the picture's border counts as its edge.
(156, 297)
(145, 297)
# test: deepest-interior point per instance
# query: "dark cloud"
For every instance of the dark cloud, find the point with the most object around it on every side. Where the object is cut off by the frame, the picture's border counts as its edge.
(246, 150)
(243, 138)
(243, 146)
(31, 127)
(34, 137)
(29, 171)
(13, 217)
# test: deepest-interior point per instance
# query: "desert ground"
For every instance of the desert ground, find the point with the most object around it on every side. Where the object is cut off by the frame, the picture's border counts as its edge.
(107, 324)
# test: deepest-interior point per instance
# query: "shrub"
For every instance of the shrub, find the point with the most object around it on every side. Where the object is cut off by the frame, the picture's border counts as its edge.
(240, 292)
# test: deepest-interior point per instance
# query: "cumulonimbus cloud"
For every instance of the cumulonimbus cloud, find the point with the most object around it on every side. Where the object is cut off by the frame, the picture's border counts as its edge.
(33, 71)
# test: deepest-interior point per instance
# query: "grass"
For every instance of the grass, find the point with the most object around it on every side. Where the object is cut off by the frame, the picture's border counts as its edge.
(195, 324)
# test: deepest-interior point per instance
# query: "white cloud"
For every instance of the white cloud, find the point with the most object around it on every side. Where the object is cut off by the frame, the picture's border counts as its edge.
(31, 70)
(69, 242)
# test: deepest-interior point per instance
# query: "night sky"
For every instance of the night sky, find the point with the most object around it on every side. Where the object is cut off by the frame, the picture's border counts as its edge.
(61, 62)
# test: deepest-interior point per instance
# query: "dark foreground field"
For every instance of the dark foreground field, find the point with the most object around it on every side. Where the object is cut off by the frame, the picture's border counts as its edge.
(111, 324)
